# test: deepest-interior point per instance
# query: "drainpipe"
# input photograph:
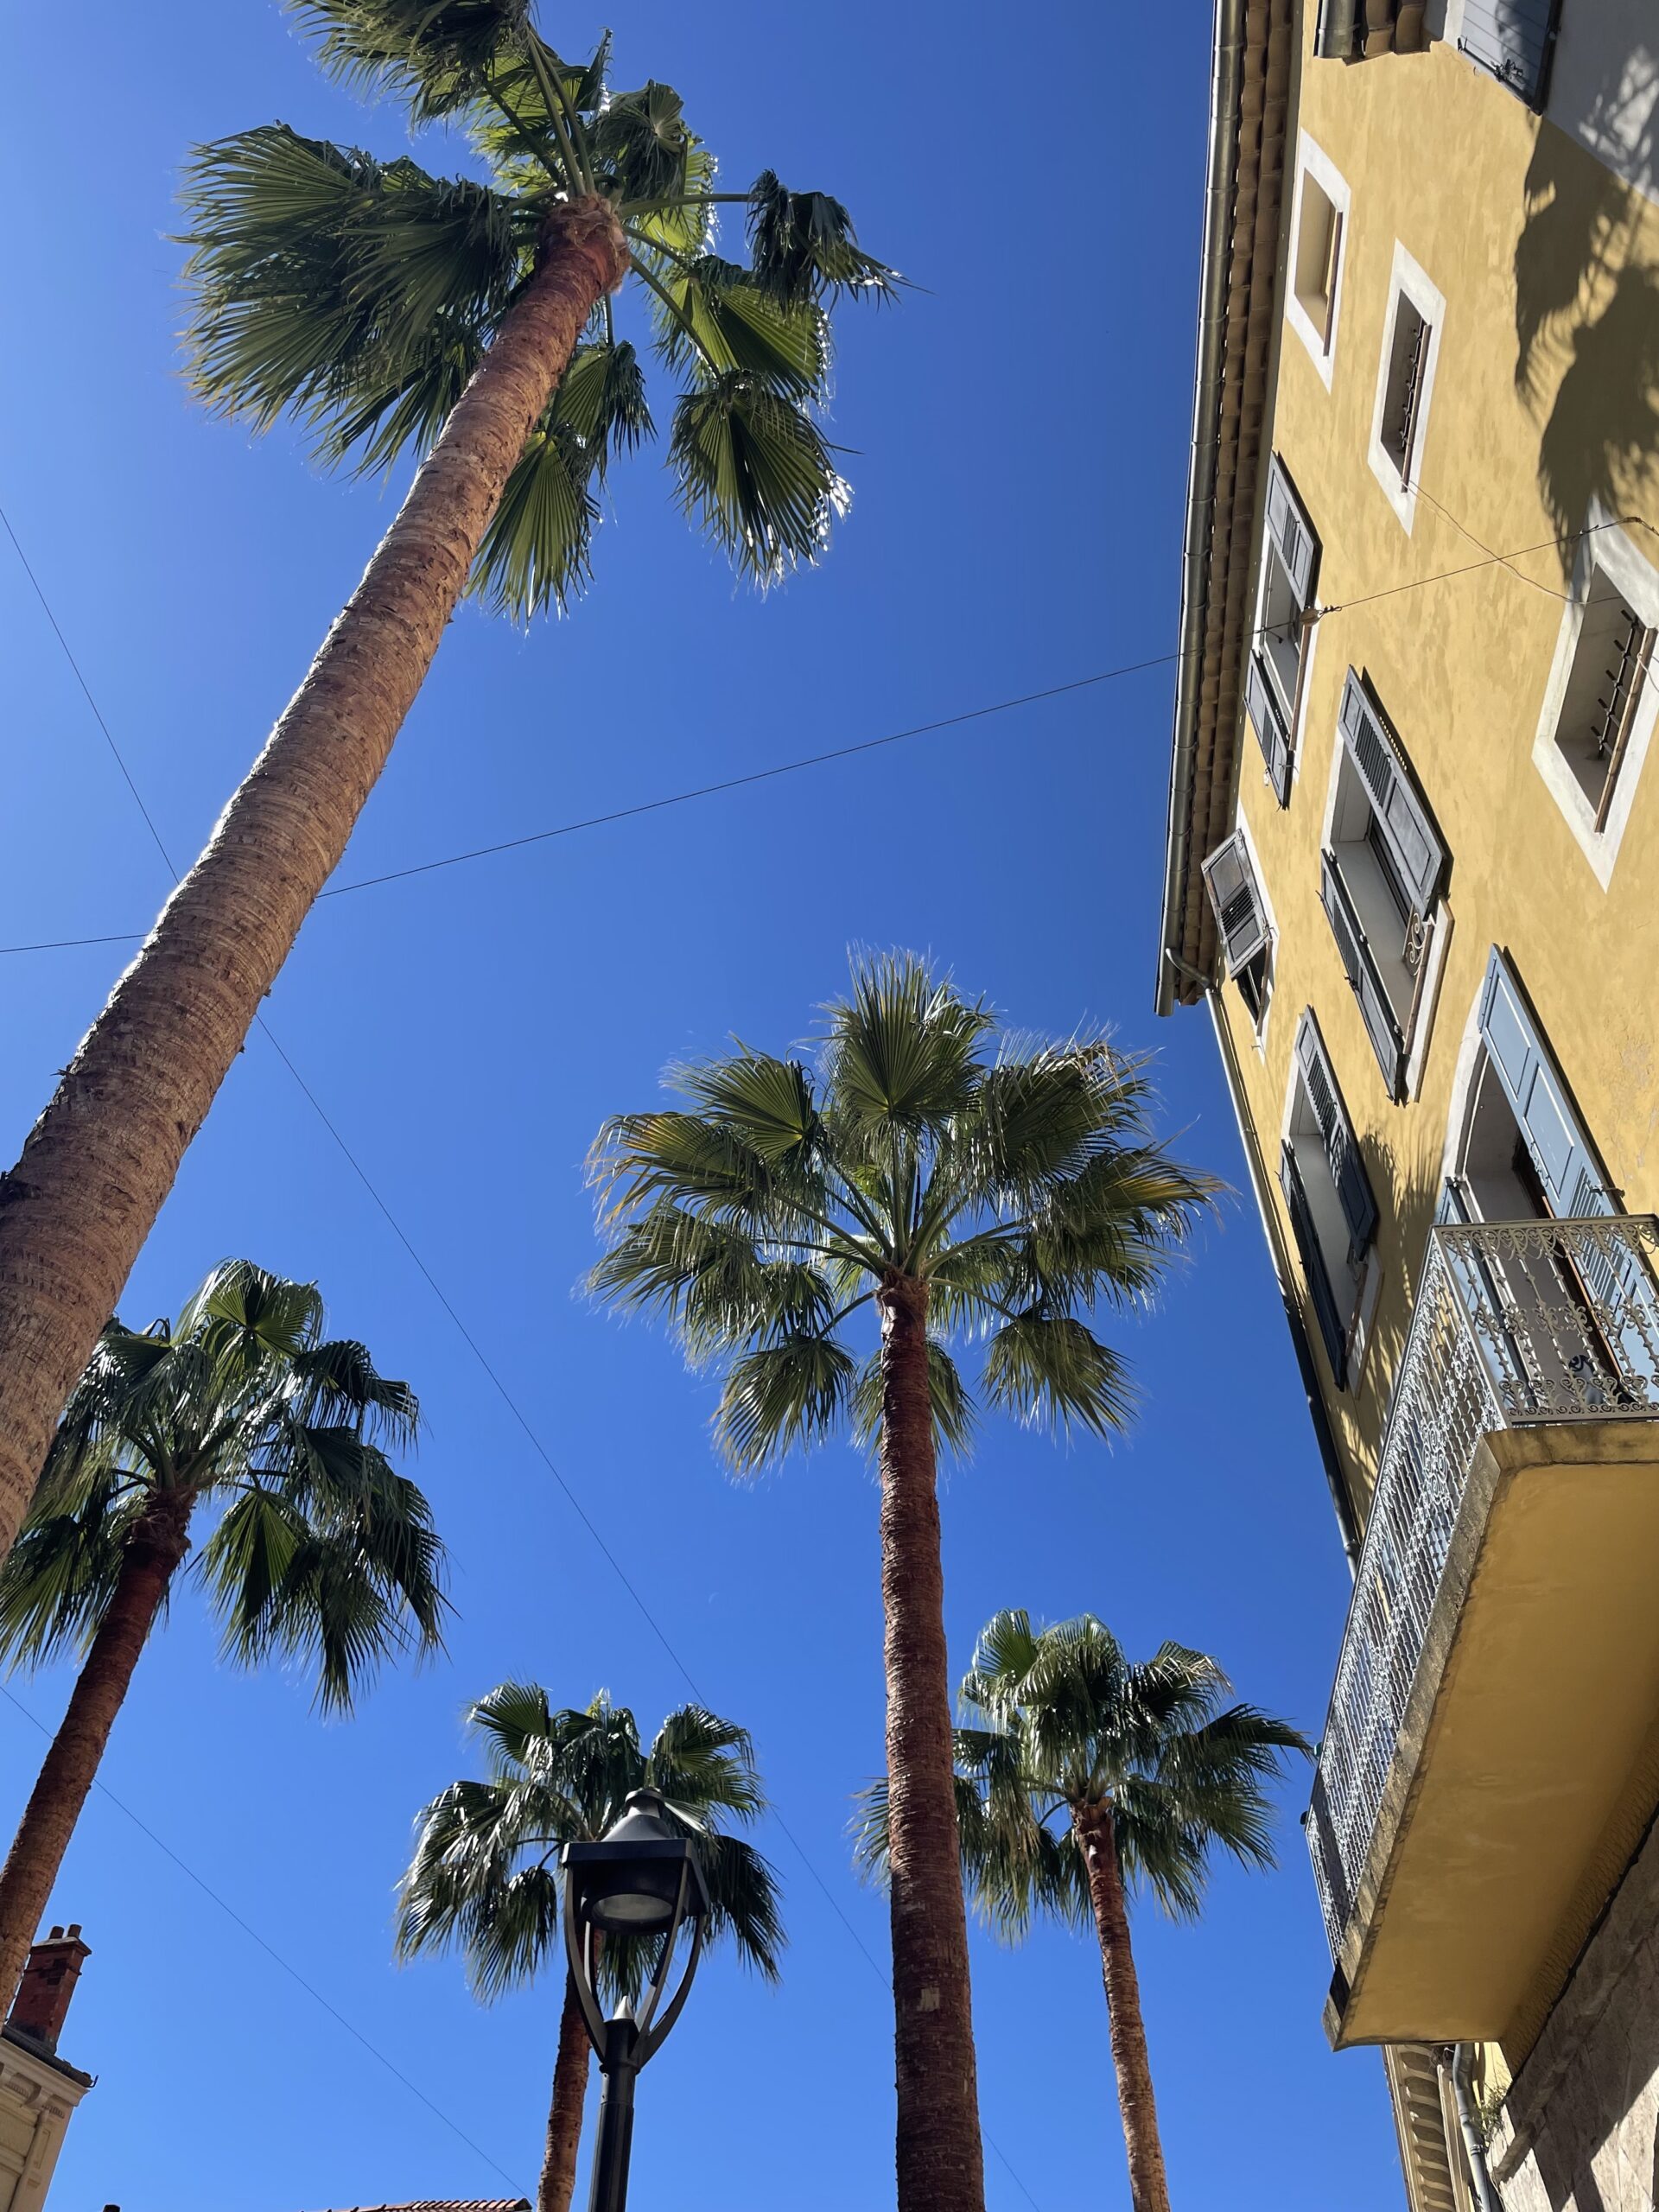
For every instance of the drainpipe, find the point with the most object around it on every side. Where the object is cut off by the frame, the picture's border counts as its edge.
(1223, 167)
(1456, 2062)
(1323, 1439)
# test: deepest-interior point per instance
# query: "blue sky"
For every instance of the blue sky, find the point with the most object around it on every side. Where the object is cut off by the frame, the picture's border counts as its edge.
(1019, 435)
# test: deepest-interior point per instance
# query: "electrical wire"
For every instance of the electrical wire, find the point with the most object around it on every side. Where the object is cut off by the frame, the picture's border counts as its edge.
(270, 1951)
(783, 767)
(518, 1415)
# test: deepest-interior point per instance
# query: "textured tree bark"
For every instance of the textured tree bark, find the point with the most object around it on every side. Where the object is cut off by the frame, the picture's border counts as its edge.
(102, 1158)
(564, 2115)
(1096, 1838)
(71, 1764)
(941, 2165)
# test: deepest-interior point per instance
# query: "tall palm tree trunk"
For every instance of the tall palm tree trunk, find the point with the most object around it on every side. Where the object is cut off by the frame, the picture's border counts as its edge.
(941, 2165)
(1097, 1839)
(564, 2115)
(102, 1158)
(70, 1765)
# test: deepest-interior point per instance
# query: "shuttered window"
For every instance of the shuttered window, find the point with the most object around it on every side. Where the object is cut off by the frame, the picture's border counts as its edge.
(1399, 814)
(1360, 965)
(1290, 561)
(1561, 1151)
(1515, 40)
(1239, 916)
(1332, 1333)
(1353, 1185)
(1272, 728)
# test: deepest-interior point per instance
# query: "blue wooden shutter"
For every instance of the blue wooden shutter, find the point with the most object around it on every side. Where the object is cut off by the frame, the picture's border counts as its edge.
(1239, 916)
(1291, 532)
(1404, 820)
(1566, 1165)
(1270, 729)
(1515, 40)
(1320, 1296)
(1374, 1009)
(1342, 1154)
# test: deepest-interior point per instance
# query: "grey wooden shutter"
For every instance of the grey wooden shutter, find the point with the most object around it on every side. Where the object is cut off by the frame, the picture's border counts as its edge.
(1515, 40)
(1561, 1152)
(1233, 894)
(1314, 1272)
(1417, 850)
(1353, 1185)
(1271, 732)
(1376, 1009)
(1291, 532)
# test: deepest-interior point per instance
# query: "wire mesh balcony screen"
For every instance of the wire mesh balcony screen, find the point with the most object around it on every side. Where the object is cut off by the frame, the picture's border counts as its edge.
(1517, 1324)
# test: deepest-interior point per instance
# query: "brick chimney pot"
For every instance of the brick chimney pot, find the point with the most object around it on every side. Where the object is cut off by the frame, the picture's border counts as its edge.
(41, 2004)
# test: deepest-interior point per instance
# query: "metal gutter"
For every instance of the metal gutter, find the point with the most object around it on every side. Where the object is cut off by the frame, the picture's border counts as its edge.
(1226, 76)
(1330, 1459)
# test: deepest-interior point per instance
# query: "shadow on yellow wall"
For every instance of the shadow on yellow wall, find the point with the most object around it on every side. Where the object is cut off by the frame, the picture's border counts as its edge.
(1587, 322)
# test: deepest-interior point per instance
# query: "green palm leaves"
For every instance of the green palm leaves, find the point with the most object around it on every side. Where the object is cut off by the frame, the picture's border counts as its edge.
(484, 1874)
(359, 295)
(1017, 1183)
(322, 1550)
(1059, 1720)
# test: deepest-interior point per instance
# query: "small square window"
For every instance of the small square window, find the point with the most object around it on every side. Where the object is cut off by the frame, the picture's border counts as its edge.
(1612, 666)
(1405, 383)
(1313, 299)
(1319, 247)
(1403, 389)
(1601, 702)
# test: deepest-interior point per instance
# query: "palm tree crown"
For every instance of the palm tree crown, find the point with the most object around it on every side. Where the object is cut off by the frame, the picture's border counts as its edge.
(360, 295)
(484, 1874)
(1059, 1721)
(1010, 1184)
(322, 1551)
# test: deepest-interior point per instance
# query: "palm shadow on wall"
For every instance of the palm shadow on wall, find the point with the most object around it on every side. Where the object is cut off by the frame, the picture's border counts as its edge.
(1587, 320)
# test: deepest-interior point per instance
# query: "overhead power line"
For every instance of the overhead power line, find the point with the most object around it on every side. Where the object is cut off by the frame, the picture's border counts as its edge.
(518, 1415)
(781, 768)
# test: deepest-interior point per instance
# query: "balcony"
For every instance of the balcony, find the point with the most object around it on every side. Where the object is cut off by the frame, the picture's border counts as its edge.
(1491, 1755)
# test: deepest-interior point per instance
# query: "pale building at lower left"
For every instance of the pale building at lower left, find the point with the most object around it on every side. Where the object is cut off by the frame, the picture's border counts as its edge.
(39, 2090)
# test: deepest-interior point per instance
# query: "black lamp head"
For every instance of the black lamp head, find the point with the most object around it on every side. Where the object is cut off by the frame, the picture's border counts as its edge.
(630, 1882)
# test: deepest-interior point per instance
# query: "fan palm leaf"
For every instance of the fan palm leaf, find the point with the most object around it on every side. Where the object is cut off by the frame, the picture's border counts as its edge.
(318, 1552)
(970, 1200)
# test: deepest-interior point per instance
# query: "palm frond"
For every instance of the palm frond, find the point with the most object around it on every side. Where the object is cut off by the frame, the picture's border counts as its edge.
(537, 551)
(716, 320)
(756, 474)
(1050, 1370)
(803, 249)
(58, 1578)
(323, 280)
(781, 1396)
(432, 56)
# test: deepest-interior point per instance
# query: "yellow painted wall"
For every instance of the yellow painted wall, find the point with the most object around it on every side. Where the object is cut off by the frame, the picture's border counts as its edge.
(1521, 230)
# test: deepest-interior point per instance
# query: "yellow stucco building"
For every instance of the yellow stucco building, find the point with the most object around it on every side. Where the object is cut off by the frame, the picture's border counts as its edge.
(1414, 870)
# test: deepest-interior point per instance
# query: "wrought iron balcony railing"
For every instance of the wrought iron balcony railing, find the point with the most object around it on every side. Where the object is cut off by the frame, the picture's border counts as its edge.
(1517, 1323)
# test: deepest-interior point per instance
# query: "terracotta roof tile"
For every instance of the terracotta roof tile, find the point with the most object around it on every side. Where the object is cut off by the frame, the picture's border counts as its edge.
(450, 2204)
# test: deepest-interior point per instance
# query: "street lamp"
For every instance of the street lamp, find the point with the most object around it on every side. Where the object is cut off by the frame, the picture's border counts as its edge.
(641, 1880)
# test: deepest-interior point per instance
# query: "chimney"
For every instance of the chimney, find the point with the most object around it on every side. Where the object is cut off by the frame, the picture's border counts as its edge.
(39, 2009)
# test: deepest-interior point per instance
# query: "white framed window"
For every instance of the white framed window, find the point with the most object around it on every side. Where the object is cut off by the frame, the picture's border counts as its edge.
(1281, 639)
(1329, 1200)
(1405, 383)
(1602, 698)
(1244, 923)
(1382, 878)
(1318, 235)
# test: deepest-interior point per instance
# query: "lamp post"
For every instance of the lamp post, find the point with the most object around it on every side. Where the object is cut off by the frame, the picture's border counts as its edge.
(641, 1880)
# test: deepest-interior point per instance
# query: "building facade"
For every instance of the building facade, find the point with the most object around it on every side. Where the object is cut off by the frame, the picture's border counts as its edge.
(39, 2088)
(1413, 871)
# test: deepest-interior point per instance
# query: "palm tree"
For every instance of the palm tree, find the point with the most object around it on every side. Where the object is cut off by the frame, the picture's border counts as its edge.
(469, 323)
(1082, 1778)
(321, 1551)
(960, 1189)
(484, 1874)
